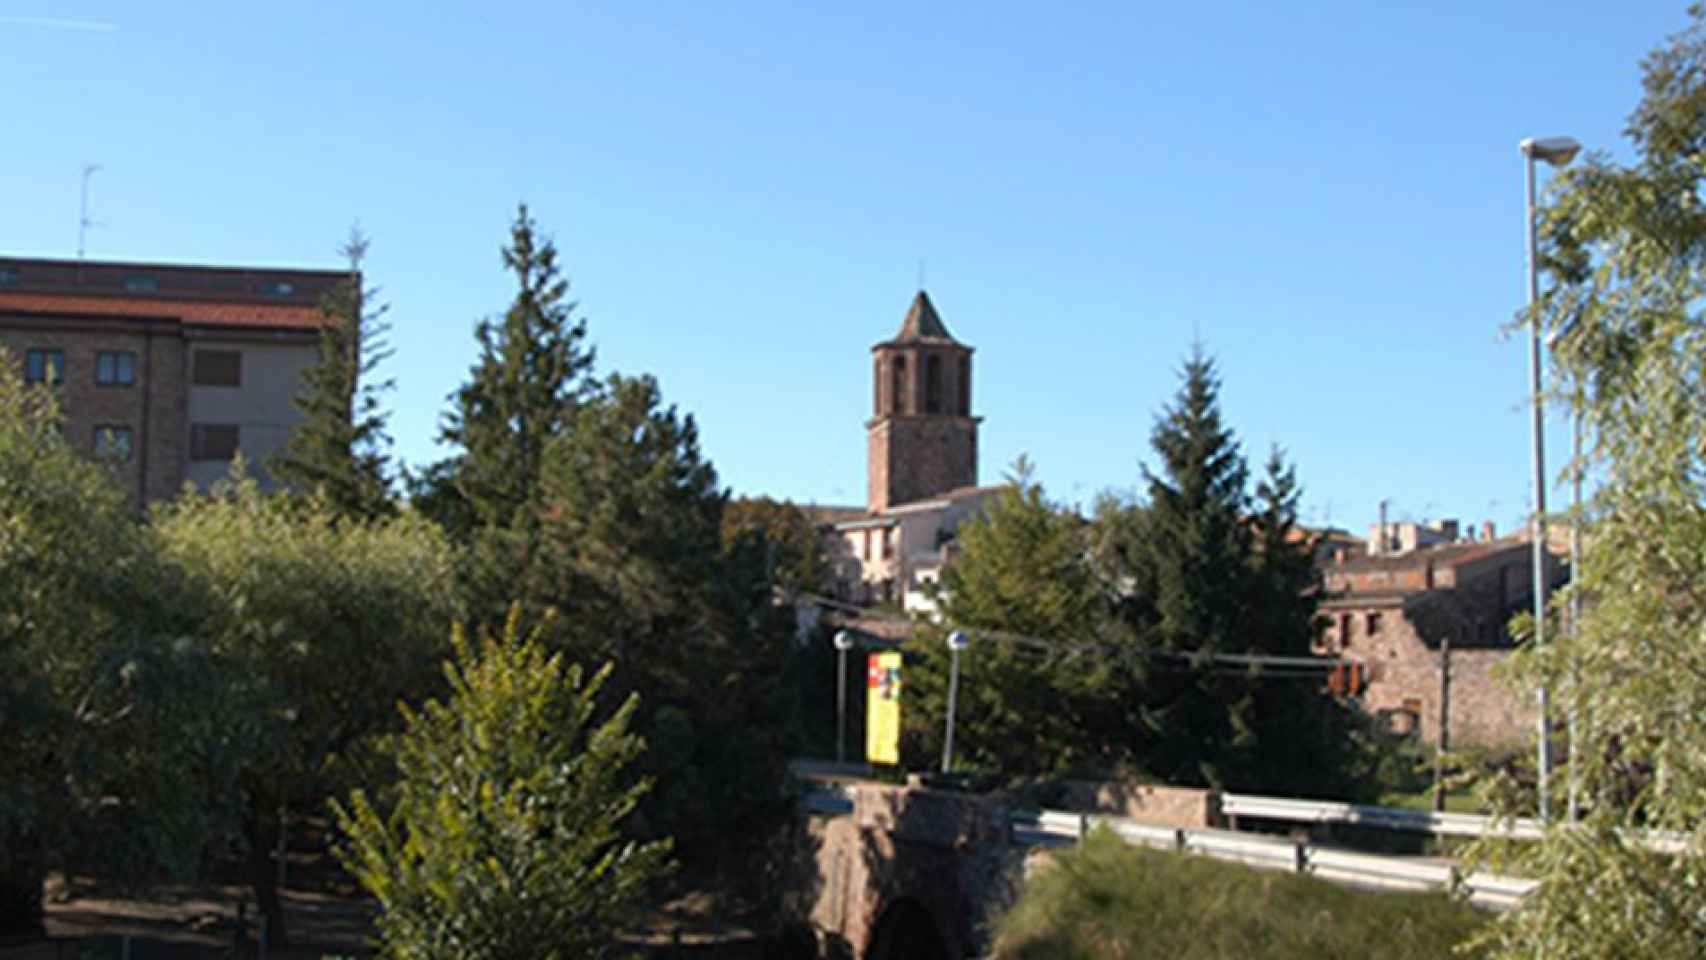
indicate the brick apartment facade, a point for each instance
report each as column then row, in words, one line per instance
column 166, row 371
column 1396, row 616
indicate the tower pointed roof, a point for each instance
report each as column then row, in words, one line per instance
column 922, row 322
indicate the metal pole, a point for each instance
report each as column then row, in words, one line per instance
column 1442, row 742
column 953, row 700
column 1543, row 759
column 843, row 643
column 841, row 707
column 1575, row 594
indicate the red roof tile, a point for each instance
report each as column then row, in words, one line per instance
column 191, row 313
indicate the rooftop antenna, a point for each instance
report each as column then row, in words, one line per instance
column 83, row 221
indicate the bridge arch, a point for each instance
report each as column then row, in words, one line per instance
column 907, row 930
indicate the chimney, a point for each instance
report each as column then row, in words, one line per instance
column 1448, row 529
column 1487, row 531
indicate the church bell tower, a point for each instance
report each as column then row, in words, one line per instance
column 922, row 438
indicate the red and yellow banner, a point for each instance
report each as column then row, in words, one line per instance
column 882, row 708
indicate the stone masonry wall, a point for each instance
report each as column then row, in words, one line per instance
column 1405, row 675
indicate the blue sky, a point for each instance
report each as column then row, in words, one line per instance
column 1328, row 195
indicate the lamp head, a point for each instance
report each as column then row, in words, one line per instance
column 958, row 641
column 1558, row 151
column 843, row 641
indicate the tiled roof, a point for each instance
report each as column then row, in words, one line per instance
column 191, row 313
column 922, row 322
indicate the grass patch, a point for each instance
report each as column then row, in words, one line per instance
column 1456, row 801
column 1106, row 899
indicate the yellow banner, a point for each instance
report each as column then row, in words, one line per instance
column 882, row 708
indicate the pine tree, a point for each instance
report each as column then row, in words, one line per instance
column 505, row 842
column 529, row 380
column 339, row 450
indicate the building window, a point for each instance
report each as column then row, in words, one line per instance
column 212, row 441
column 1344, row 630
column 44, row 366
column 965, row 386
column 141, row 283
column 8, row 277
column 1374, row 624
column 864, row 544
column 113, row 442
column 933, row 384
column 280, row 288
column 217, row 368
column 900, row 385
column 888, row 542
column 116, row 369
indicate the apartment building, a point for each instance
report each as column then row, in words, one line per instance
column 166, row 371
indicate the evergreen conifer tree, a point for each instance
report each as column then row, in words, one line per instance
column 339, row 450
column 531, row 376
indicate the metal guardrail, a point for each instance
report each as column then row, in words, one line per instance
column 1390, row 818
column 1056, row 828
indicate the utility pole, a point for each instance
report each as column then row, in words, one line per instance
column 1442, row 742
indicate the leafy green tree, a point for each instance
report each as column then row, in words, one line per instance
column 1626, row 246
column 633, row 558
column 793, row 546
column 339, row 448
column 333, row 618
column 1035, row 694
column 504, row 841
column 114, row 711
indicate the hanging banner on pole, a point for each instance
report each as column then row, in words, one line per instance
column 882, row 708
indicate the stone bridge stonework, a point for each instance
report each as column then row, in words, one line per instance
column 911, row 874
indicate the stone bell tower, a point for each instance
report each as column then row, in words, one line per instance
column 922, row 436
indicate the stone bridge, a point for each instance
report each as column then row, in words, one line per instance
column 915, row 873
column 907, row 872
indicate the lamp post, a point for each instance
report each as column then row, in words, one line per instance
column 1557, row 151
column 957, row 641
column 843, row 643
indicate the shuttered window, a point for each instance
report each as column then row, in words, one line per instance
column 217, row 368
column 213, row 441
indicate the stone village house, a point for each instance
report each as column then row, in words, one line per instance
column 1424, row 625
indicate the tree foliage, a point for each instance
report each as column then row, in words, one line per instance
column 504, row 842
column 1202, row 569
column 530, row 378
column 1626, row 246
column 333, row 619
column 339, row 448
column 794, row 548
column 1035, row 681
column 114, row 712
column 633, row 558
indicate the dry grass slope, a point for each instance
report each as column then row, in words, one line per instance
column 1110, row 901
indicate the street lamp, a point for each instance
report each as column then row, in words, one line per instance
column 843, row 643
column 1557, row 151
column 957, row 641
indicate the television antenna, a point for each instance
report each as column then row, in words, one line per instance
column 83, row 221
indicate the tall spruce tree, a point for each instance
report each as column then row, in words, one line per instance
column 339, row 450
column 531, row 376
column 1201, row 570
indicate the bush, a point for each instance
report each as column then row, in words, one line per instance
column 505, row 842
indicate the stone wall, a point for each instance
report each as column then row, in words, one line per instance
column 1190, row 807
